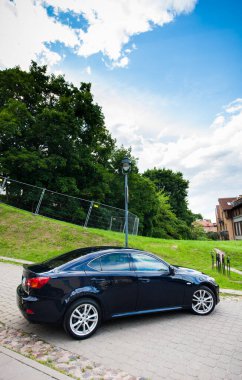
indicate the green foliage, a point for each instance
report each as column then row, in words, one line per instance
column 212, row 235
column 198, row 233
column 176, row 187
column 53, row 135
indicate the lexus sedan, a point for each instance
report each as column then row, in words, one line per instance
column 83, row 287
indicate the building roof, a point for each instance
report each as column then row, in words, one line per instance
column 226, row 203
column 237, row 202
column 205, row 223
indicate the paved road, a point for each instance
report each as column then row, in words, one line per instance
column 17, row 367
column 174, row 345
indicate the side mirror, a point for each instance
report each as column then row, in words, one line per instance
column 172, row 270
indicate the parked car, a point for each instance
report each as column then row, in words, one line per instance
column 83, row 287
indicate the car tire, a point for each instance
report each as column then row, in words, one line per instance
column 203, row 301
column 82, row 319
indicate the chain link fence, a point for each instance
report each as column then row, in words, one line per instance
column 65, row 207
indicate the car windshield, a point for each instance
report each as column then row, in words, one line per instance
column 72, row 255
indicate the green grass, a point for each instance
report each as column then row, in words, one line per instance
column 35, row 238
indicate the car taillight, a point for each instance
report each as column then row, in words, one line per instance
column 36, row 282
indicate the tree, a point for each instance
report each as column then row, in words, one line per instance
column 52, row 134
column 174, row 185
column 198, row 233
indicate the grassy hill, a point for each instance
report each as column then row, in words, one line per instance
column 36, row 238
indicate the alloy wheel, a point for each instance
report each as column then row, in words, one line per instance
column 202, row 301
column 84, row 319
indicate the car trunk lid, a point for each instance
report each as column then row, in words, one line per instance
column 34, row 277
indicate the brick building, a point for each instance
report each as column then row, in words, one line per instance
column 207, row 225
column 229, row 218
column 237, row 218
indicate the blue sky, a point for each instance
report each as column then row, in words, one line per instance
column 194, row 60
column 166, row 72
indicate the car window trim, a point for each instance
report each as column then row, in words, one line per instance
column 111, row 253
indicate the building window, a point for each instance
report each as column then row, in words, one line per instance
column 238, row 228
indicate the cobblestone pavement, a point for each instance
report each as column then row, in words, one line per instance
column 175, row 345
column 79, row 367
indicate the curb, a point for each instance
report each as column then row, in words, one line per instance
column 232, row 292
column 33, row 364
column 5, row 258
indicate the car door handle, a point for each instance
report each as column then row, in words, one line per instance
column 101, row 280
column 144, row 279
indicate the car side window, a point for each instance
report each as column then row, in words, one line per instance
column 95, row 264
column 115, row 262
column 76, row 267
column 143, row 263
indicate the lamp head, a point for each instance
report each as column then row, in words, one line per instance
column 126, row 165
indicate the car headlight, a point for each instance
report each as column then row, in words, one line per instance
column 211, row 279
column 207, row 278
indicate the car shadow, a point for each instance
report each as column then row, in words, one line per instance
column 55, row 333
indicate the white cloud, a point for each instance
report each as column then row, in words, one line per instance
column 234, row 106
column 211, row 160
column 211, row 157
column 123, row 62
column 112, row 23
column 27, row 31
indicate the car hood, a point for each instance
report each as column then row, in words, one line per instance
column 189, row 271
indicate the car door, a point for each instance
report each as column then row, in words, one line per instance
column 115, row 281
column 157, row 287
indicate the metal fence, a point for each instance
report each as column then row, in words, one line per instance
column 65, row 207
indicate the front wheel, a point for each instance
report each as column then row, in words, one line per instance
column 203, row 301
column 82, row 319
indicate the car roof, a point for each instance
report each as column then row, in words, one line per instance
column 77, row 254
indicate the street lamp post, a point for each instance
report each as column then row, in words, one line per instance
column 126, row 167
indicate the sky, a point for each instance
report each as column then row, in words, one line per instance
column 167, row 74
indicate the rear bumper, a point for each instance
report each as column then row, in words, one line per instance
column 36, row 309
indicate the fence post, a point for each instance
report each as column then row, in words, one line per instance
column 124, row 226
column 88, row 214
column 137, row 226
column 228, row 266
column 223, row 264
column 134, row 225
column 3, row 184
column 212, row 255
column 40, row 201
column 111, row 223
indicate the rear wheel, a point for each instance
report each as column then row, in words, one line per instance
column 203, row 301
column 82, row 319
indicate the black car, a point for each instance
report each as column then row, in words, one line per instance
column 86, row 286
